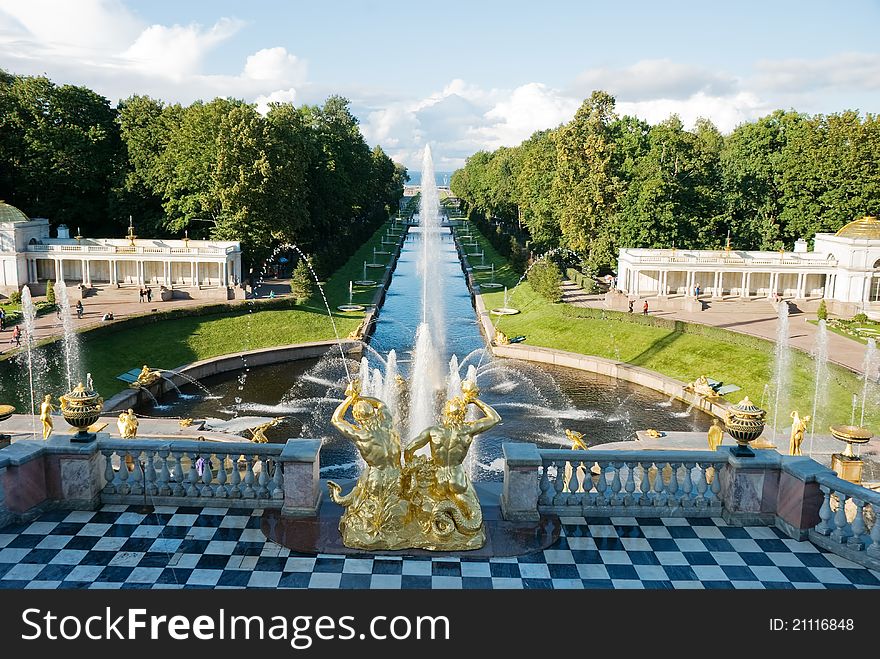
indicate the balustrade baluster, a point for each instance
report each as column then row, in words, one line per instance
column 630, row 485
column 136, row 483
column 207, row 488
column 109, row 472
column 177, row 486
column 874, row 547
column 856, row 541
column 163, row 487
column 248, row 489
column 277, row 479
column 220, row 491
column 687, row 486
column 601, row 486
column 616, row 485
column 702, row 486
column 122, row 486
column 235, row 482
column 645, row 485
column 192, row 476
column 715, row 487
column 544, row 497
column 659, row 487
column 842, row 532
column 672, row 487
column 150, row 473
column 560, row 497
column 824, row 526
column 262, row 489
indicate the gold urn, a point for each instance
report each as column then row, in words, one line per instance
column 81, row 408
column 847, row 464
column 745, row 423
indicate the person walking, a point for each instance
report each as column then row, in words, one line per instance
column 631, row 303
column 141, row 295
column 2, row 319
column 16, row 335
column 645, row 308
column 79, row 309
column 149, row 292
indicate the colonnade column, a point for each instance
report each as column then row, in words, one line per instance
column 635, row 282
column 828, row 291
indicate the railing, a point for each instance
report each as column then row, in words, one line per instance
column 802, row 261
column 239, row 474
column 848, row 520
column 128, row 249
column 646, row 483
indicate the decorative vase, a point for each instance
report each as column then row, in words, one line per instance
column 745, row 423
column 81, row 408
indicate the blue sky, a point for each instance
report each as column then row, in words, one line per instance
column 461, row 75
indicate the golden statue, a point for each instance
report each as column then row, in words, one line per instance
column 46, row 409
column 374, row 513
column 701, row 387
column 715, row 435
column 442, row 497
column 146, row 377
column 653, row 433
column 798, row 428
column 127, row 424
column 501, row 338
column 185, row 423
column 257, row 433
column 576, row 439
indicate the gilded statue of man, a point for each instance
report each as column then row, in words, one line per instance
column 127, row 423
column 373, row 518
column 798, row 428
column 456, row 519
column 46, row 409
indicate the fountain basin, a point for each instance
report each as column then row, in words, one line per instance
column 381, row 253
column 351, row 307
column 481, row 267
column 376, row 265
column 504, row 311
column 365, row 282
column 851, row 435
column 491, row 284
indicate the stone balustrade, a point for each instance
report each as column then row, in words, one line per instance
column 240, row 474
column 848, row 520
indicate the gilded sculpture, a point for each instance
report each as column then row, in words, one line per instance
column 798, row 428
column 46, row 409
column 715, row 435
column 146, row 377
column 127, row 423
column 425, row 502
column 258, row 435
column 577, row 439
column 702, row 387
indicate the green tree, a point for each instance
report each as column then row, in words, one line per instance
column 545, row 278
column 50, row 292
column 822, row 311
column 302, row 286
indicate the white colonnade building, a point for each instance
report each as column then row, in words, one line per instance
column 843, row 268
column 29, row 256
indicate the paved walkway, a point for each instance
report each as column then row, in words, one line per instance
column 173, row 547
column 755, row 317
column 122, row 303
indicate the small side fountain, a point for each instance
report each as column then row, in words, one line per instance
column 491, row 284
column 506, row 309
column 351, row 306
column 364, row 281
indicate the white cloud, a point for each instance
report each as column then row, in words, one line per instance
column 726, row 112
column 529, row 108
column 847, row 71
column 655, row 78
column 275, row 64
column 278, row 96
column 178, row 50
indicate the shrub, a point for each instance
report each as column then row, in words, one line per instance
column 302, row 286
column 15, row 297
column 860, row 318
column 546, row 280
column 518, row 256
column 822, row 311
column 50, row 292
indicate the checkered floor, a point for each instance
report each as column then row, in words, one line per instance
column 117, row 547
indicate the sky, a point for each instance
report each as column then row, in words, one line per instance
column 461, row 76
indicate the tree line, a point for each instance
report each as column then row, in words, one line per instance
column 603, row 182
column 216, row 169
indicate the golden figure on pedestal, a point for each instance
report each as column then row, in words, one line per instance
column 146, row 377
column 798, row 428
column 424, row 502
column 46, row 409
column 715, row 435
column 127, row 424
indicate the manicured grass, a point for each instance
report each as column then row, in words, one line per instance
column 873, row 330
column 109, row 352
column 675, row 354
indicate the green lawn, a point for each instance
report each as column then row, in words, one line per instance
column 679, row 355
column 110, row 351
column 860, row 332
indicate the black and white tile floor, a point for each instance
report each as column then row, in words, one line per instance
column 176, row 547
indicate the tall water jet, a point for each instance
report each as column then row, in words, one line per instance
column 870, row 366
column 29, row 315
column 422, row 384
column 390, row 392
column 820, row 356
column 453, row 380
column 430, row 265
column 71, row 343
column 781, row 364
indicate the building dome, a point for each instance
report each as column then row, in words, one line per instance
column 11, row 213
column 866, row 228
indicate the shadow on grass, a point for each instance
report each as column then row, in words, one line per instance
column 658, row 346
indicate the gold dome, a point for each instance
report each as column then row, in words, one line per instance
column 866, row 228
column 11, row 213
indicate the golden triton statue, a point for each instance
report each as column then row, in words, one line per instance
column 46, row 409
column 577, row 439
column 501, row 338
column 374, row 512
column 258, row 433
column 127, row 424
column 146, row 377
column 442, row 498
